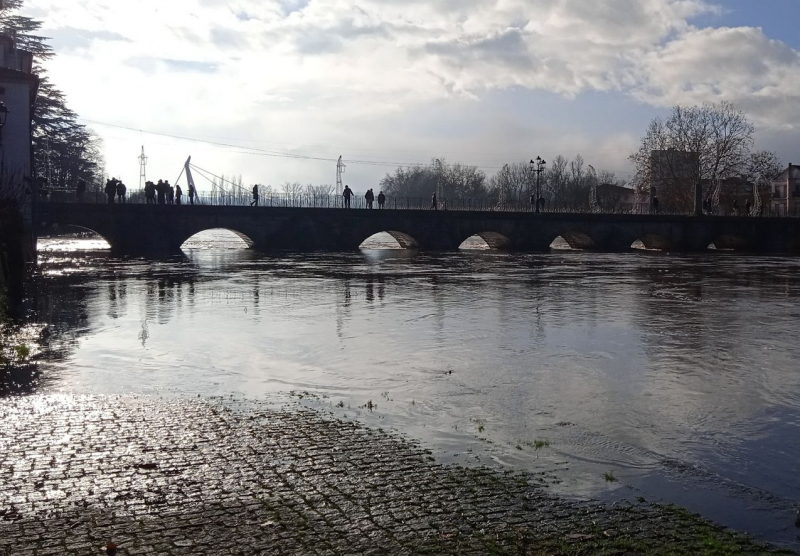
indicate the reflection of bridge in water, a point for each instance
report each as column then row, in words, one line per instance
column 143, row 229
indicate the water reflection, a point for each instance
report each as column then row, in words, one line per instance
column 649, row 364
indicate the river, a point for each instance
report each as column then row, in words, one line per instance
column 678, row 374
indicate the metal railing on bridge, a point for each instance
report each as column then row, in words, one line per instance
column 241, row 199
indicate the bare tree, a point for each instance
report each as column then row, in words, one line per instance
column 694, row 143
column 515, row 178
column 457, row 181
column 292, row 189
column 320, row 191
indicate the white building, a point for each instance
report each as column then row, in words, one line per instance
column 786, row 192
column 18, row 88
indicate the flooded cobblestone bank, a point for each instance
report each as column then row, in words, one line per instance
column 158, row 476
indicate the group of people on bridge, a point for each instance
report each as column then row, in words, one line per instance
column 162, row 193
column 369, row 197
column 114, row 189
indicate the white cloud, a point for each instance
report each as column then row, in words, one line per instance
column 741, row 65
column 318, row 73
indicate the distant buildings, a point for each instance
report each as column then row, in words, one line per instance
column 673, row 175
column 18, row 88
column 615, row 198
column 786, row 192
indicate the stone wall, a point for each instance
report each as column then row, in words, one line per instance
column 16, row 249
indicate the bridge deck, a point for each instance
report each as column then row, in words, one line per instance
column 137, row 228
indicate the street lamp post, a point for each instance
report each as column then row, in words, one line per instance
column 538, row 166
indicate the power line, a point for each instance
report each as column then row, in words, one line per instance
column 254, row 151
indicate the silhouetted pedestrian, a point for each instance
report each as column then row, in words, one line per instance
column 178, row 194
column 533, row 202
column 121, row 191
column 170, row 195
column 541, row 204
column 150, row 193
column 192, row 194
column 381, row 200
column 735, row 207
column 347, row 193
column 161, row 191
column 255, row 196
column 655, row 204
column 370, row 197
column 434, row 204
column 111, row 190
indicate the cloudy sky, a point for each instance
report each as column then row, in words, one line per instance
column 279, row 89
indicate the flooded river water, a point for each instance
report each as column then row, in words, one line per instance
column 679, row 375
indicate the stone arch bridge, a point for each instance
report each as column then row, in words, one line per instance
column 162, row 229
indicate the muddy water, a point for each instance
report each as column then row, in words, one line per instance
column 678, row 374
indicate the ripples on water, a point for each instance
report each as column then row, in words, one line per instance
column 679, row 373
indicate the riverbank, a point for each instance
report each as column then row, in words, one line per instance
column 158, row 476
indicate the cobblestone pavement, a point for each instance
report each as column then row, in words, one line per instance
column 159, row 476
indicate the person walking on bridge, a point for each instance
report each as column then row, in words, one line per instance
column 434, row 204
column 192, row 194
column 178, row 194
column 121, row 191
column 255, row 196
column 111, row 190
column 381, row 200
column 370, row 197
column 170, row 194
column 347, row 193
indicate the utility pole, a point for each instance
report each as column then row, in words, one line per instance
column 142, row 169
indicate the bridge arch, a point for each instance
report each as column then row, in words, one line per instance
column 486, row 240
column 574, row 239
column 101, row 236
column 225, row 238
column 730, row 242
column 389, row 239
column 652, row 242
